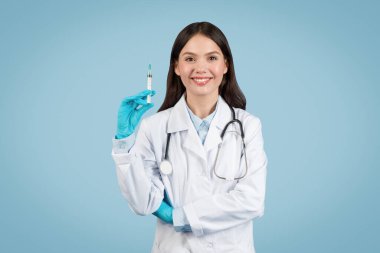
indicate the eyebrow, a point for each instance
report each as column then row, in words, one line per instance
column 213, row 52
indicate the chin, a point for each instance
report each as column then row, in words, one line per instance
column 203, row 94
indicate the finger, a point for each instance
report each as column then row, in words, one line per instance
column 128, row 101
column 144, row 108
column 152, row 92
column 127, row 106
column 141, row 101
column 143, row 94
column 134, row 99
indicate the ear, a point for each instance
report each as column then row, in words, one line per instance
column 176, row 69
column 226, row 67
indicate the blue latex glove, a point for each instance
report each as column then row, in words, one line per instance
column 165, row 211
column 130, row 113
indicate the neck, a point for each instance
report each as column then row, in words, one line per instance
column 202, row 106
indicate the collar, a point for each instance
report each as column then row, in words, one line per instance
column 198, row 121
column 180, row 120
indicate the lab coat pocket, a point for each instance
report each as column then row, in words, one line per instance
column 228, row 159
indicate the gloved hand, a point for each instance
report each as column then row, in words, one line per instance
column 165, row 211
column 129, row 115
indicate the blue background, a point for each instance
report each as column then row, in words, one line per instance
column 309, row 70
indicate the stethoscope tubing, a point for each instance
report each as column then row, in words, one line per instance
column 167, row 162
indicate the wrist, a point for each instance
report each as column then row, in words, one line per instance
column 122, row 135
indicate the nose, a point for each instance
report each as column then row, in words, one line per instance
column 201, row 66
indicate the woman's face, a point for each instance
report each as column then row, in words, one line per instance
column 201, row 66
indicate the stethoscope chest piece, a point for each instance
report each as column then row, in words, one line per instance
column 166, row 167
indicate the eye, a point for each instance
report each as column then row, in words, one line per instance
column 213, row 58
column 189, row 59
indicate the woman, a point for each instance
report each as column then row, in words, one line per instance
column 213, row 184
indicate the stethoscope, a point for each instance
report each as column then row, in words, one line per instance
column 166, row 167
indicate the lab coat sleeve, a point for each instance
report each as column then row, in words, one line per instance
column 245, row 202
column 123, row 145
column 180, row 222
column 138, row 175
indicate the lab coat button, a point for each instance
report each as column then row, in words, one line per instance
column 210, row 245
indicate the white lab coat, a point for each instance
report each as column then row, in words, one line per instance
column 220, row 212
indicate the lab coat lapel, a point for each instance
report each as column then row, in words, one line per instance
column 221, row 118
column 213, row 138
column 193, row 143
column 179, row 120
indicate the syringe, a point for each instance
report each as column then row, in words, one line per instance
column 149, row 83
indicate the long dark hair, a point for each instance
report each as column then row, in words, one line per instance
column 229, row 89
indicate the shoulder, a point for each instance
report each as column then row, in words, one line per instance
column 250, row 122
column 156, row 122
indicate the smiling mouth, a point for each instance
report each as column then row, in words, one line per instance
column 201, row 81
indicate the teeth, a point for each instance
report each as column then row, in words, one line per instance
column 201, row 80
